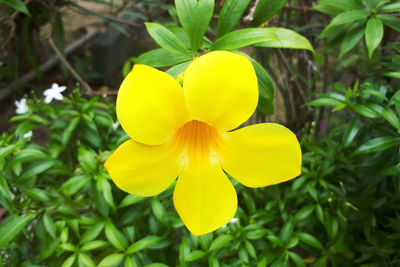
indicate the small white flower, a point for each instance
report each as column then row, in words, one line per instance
column 115, row 125
column 231, row 221
column 21, row 105
column 28, row 135
column 54, row 93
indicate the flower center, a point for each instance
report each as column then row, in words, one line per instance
column 196, row 139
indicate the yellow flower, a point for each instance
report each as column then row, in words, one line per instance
column 186, row 133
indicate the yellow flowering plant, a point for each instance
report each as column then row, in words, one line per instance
column 186, row 132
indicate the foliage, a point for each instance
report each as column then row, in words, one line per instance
column 343, row 210
column 181, row 44
column 354, row 19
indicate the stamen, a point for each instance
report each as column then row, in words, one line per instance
column 196, row 139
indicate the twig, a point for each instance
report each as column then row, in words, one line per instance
column 4, row 92
column 11, row 22
column 69, row 67
column 104, row 16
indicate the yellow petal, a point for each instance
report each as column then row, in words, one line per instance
column 204, row 197
column 143, row 170
column 261, row 154
column 220, row 88
column 150, row 105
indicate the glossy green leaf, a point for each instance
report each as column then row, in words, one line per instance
column 230, row 13
column 221, row 242
column 286, row 39
column 341, row 4
column 373, row 34
column 266, row 9
column 111, row 260
column 195, row 255
column 391, row 117
column 147, row 242
column 85, row 260
column 348, row 17
column 350, row 40
column 184, row 11
column 69, row 261
column 49, row 225
column 391, row 7
column 11, row 226
column 351, row 132
column 390, row 21
column 178, row 69
column 91, row 245
column 92, row 232
column 325, row 101
column 114, row 236
column 18, row 5
column 377, row 144
column 166, row 39
column 310, row 240
column 161, row 58
column 200, row 18
column 76, row 183
column 243, row 37
column 298, row 261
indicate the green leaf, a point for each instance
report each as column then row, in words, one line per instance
column 311, row 241
column 243, row 37
column 377, row 144
column 350, row 40
column 156, row 265
column 5, row 151
column 194, row 255
column 390, row 21
column 341, row 4
column 76, row 183
column 231, row 12
column 184, row 11
column 91, row 245
column 114, row 236
column 392, row 74
column 298, row 261
column 37, row 168
column 351, row 132
column 266, row 9
column 85, row 260
column 158, row 210
column 49, row 225
column 87, row 159
column 17, row 5
column 325, row 101
column 213, row 262
column 373, row 34
column 287, row 39
column 111, row 260
column 105, row 188
column 37, row 194
column 389, row 115
column 392, row 7
column 70, row 130
column 147, row 242
column 345, row 18
column 130, row 200
column 92, row 232
column 12, row 226
column 304, row 213
column 67, row 247
column 69, row 261
column 178, row 69
column 220, row 242
column 200, row 18
column 369, row 110
column 166, row 39
column 4, row 189
column 161, row 58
